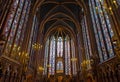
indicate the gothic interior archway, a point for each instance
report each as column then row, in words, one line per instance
column 60, row 58
column 59, row 40
column 60, row 21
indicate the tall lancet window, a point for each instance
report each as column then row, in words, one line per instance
column 86, row 39
column 67, row 56
column 52, row 56
column 59, row 47
column 59, row 65
column 60, row 55
column 8, row 25
column 15, row 26
column 73, row 59
column 102, row 29
column 46, row 57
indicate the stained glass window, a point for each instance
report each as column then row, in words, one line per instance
column 46, row 65
column 21, row 23
column 67, row 56
column 58, row 53
column 33, row 35
column 25, row 22
column 59, row 67
column 52, row 56
column 15, row 23
column 4, row 8
column 32, row 41
column 106, row 27
column 60, row 47
column 11, row 23
column 118, row 1
column 98, row 33
column 102, row 29
column 74, row 63
column 14, row 27
column 10, row 17
column 86, row 39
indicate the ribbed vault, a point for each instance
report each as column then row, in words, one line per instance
column 67, row 13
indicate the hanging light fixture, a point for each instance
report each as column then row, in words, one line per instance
column 37, row 46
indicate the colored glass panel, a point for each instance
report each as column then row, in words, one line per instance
column 60, row 66
column 118, row 1
column 24, row 25
column 102, row 29
column 10, row 16
column 86, row 39
column 22, row 20
column 74, row 64
column 60, row 47
column 46, row 57
column 52, row 56
column 96, row 33
column 67, row 56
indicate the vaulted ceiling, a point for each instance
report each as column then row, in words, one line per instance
column 52, row 13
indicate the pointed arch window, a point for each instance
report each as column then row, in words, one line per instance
column 15, row 25
column 59, row 52
column 60, row 47
column 102, row 29
column 46, row 57
column 73, row 56
column 52, row 56
column 22, row 20
column 10, row 16
column 67, row 56
column 9, row 20
column 86, row 38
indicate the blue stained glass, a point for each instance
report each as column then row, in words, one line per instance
column 100, row 36
column 60, row 47
column 8, row 25
column 86, row 39
column 56, row 54
column 60, row 65
column 106, row 28
column 74, row 64
column 67, row 56
column 10, row 17
column 52, row 56
column 118, row 1
column 22, row 20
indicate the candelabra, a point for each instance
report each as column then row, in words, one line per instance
column 37, row 46
column 15, row 51
column 40, row 69
column 38, row 64
column 23, row 59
